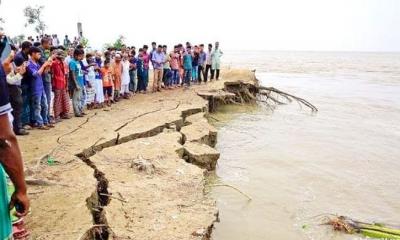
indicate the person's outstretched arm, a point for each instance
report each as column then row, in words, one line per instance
column 10, row 158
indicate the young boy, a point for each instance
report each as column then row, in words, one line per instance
column 187, row 65
column 108, row 80
column 174, row 63
column 167, row 69
column 195, row 64
column 117, row 76
column 59, row 84
column 77, row 82
column 141, row 72
column 146, row 66
column 38, row 95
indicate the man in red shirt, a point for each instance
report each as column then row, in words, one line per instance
column 59, row 84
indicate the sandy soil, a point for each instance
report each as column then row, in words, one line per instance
column 139, row 147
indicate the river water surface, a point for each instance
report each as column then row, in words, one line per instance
column 295, row 165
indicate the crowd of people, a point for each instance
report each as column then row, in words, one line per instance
column 44, row 78
column 40, row 78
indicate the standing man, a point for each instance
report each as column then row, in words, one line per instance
column 202, row 63
column 10, row 163
column 216, row 61
column 153, row 50
column 208, row 63
column 146, row 66
column 39, row 101
column 19, row 96
column 14, row 87
column 56, row 42
column 125, row 76
column 167, row 69
column 45, row 48
column 21, row 58
column 174, row 64
column 67, row 42
column 133, row 84
column 158, row 60
column 76, row 82
column 187, row 65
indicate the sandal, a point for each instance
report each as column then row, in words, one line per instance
column 43, row 127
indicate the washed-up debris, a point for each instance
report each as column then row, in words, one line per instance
column 372, row 230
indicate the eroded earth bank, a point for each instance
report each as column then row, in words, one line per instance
column 132, row 171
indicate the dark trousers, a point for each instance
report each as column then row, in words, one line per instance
column 201, row 73
column 213, row 71
column 208, row 68
column 141, row 81
column 27, row 114
column 17, row 105
column 188, row 75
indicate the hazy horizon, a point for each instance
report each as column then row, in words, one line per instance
column 286, row 25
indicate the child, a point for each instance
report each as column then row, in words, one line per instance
column 77, row 82
column 140, row 72
column 195, row 64
column 99, row 81
column 117, row 76
column 59, row 84
column 187, row 65
column 108, row 80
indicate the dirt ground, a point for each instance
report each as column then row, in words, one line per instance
column 139, row 146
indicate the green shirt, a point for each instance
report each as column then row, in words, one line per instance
column 167, row 64
column 5, row 223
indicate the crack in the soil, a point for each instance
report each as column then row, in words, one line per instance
column 100, row 198
column 144, row 114
column 76, row 129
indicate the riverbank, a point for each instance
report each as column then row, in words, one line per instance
column 121, row 172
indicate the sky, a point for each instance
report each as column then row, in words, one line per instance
column 282, row 25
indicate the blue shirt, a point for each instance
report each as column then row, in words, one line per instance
column 75, row 67
column 139, row 66
column 35, row 79
column 202, row 58
column 133, row 61
column 158, row 59
column 187, row 62
column 98, row 73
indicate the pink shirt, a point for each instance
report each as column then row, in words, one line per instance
column 174, row 60
column 146, row 60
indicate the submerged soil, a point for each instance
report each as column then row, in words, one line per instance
column 121, row 171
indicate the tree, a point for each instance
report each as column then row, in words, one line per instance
column 118, row 44
column 34, row 17
column 84, row 42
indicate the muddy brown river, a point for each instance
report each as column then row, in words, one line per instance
column 297, row 166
